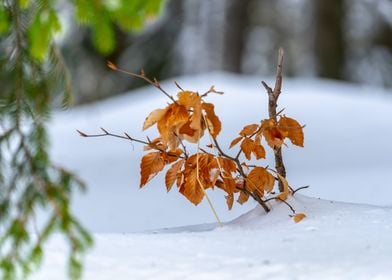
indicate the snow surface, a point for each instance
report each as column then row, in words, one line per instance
column 346, row 158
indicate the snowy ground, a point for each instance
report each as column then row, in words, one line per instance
column 346, row 158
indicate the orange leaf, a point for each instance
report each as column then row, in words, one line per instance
column 229, row 185
column 229, row 201
column 191, row 100
column 235, row 141
column 259, row 151
column 272, row 134
column 191, row 188
column 172, row 174
column 294, row 130
column 249, row 129
column 299, row 217
column 172, row 155
column 213, row 122
column 286, row 190
column 260, row 180
column 169, row 125
column 247, row 147
column 242, row 198
column 154, row 117
column 151, row 164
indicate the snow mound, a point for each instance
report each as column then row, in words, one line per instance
column 335, row 241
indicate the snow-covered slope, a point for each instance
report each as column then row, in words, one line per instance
column 336, row 241
column 346, row 156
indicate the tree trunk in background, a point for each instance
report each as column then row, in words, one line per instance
column 234, row 30
column 329, row 38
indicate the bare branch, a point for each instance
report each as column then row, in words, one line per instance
column 142, row 76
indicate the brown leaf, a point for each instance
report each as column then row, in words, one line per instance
column 229, row 185
column 150, row 165
column 172, row 174
column 299, row 217
column 286, row 190
column 272, row 134
column 154, row 117
column 294, row 130
column 249, row 129
column 259, row 151
column 260, row 180
column 172, row 155
column 191, row 100
column 229, row 201
column 191, row 187
column 169, row 125
column 247, row 147
column 213, row 122
column 242, row 198
column 235, row 141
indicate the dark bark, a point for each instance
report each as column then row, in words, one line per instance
column 329, row 38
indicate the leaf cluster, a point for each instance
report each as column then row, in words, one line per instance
column 187, row 119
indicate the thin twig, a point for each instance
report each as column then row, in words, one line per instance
column 300, row 188
column 273, row 96
column 154, row 82
column 127, row 137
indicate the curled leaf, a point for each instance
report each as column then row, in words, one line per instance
column 299, row 217
column 293, row 129
column 249, row 129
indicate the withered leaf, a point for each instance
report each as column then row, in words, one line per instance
column 229, row 201
column 172, row 174
column 247, row 146
column 242, row 198
column 259, row 151
column 249, row 129
column 235, row 141
column 260, row 180
column 150, row 165
column 299, row 217
column 294, row 130
column 286, row 190
column 154, row 117
column 191, row 187
column 213, row 122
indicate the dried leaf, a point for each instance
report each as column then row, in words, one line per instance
column 191, row 188
column 259, row 151
column 169, row 125
column 247, row 147
column 294, row 130
column 150, row 165
column 272, row 134
column 229, row 201
column 213, row 122
column 260, row 180
column 154, row 117
column 249, row 129
column 299, row 217
column 235, row 141
column 242, row 198
column 191, row 100
column 172, row 174
column 286, row 190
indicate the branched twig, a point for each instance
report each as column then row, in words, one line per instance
column 281, row 200
column 255, row 197
column 142, row 76
column 273, row 96
column 127, row 137
column 300, row 188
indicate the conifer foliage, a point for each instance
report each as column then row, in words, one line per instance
column 32, row 74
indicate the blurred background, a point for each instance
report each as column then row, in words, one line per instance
column 348, row 40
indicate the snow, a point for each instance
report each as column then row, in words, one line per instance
column 346, row 158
